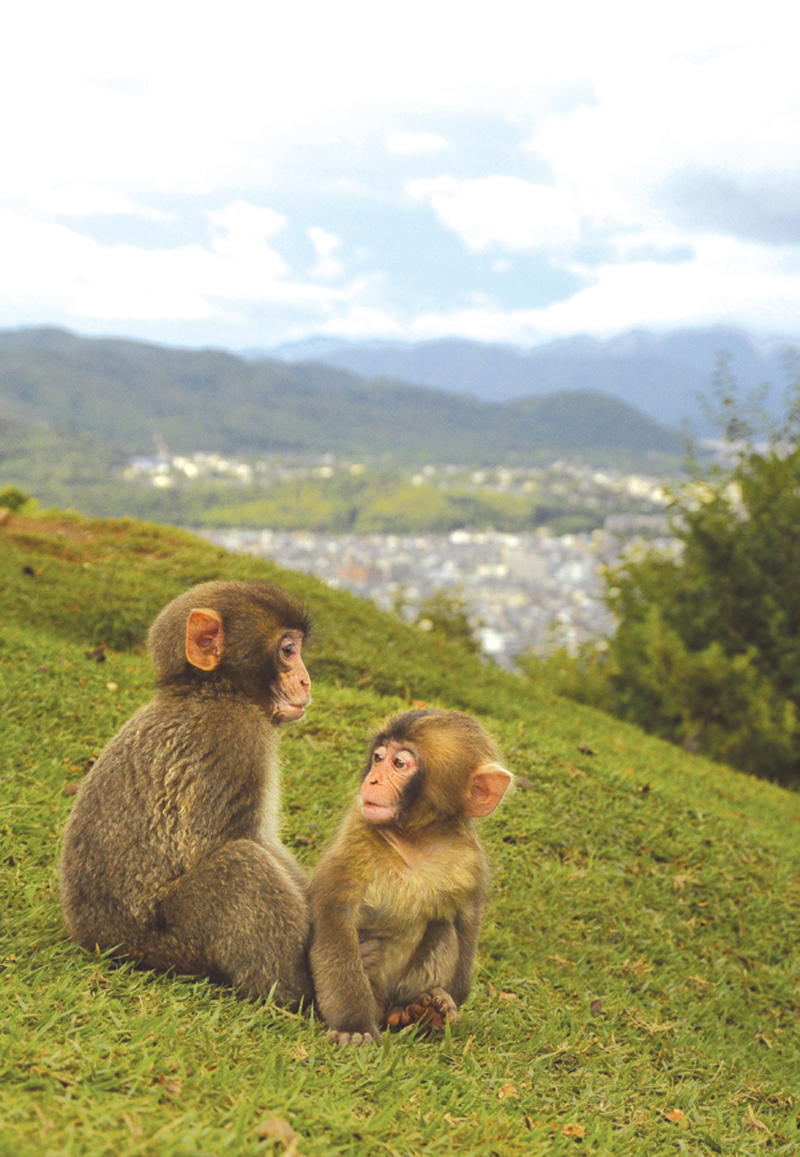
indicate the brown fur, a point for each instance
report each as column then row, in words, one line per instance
column 171, row 854
column 397, row 907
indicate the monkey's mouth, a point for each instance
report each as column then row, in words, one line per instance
column 376, row 813
column 285, row 712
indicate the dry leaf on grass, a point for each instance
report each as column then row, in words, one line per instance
column 276, row 1129
column 751, row 1121
column 573, row 1130
column 676, row 1117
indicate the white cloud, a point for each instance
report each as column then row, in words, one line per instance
column 359, row 322
column 725, row 282
column 504, row 211
column 244, row 224
column 240, row 235
column 80, row 199
column 574, row 132
column 415, row 144
column 325, row 244
column 734, row 112
column 86, row 279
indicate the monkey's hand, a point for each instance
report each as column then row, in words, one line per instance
column 430, row 1010
column 354, row 1038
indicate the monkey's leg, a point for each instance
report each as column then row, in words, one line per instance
column 240, row 914
column 431, row 1010
column 421, row 995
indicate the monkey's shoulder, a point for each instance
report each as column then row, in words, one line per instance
column 167, row 732
column 113, row 774
column 158, row 781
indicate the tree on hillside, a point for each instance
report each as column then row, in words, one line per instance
column 12, row 498
column 707, row 651
column 446, row 615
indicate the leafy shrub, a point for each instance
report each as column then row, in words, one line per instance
column 446, row 616
column 12, row 498
column 707, row 651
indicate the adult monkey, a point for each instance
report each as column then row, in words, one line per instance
column 171, row 853
column 397, row 899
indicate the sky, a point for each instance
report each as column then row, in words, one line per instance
column 245, row 175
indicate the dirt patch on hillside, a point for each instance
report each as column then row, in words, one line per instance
column 80, row 539
column 16, row 526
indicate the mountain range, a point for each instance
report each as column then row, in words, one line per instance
column 136, row 396
column 662, row 375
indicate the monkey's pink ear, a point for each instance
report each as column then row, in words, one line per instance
column 205, row 639
column 487, row 786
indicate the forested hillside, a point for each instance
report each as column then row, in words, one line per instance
column 133, row 396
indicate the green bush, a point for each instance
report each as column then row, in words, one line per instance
column 446, row 616
column 707, row 651
column 12, row 498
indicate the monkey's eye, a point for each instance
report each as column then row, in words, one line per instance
column 288, row 648
column 403, row 760
column 378, row 754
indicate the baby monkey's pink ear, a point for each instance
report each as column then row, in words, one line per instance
column 205, row 639
column 486, row 787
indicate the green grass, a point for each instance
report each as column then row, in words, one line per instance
column 638, row 985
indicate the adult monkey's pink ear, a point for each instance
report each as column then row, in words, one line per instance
column 486, row 787
column 205, row 639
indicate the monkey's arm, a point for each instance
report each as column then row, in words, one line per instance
column 342, row 990
column 468, row 927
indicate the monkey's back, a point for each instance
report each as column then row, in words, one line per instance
column 135, row 826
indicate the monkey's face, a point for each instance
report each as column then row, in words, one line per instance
column 292, row 690
column 393, row 777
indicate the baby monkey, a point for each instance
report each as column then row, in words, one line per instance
column 398, row 897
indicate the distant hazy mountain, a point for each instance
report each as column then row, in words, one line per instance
column 134, row 396
column 661, row 374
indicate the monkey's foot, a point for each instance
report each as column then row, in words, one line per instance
column 430, row 1010
column 354, row 1038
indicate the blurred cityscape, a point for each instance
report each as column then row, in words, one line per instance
column 534, row 590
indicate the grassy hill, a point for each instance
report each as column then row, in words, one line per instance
column 638, row 984
column 126, row 394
